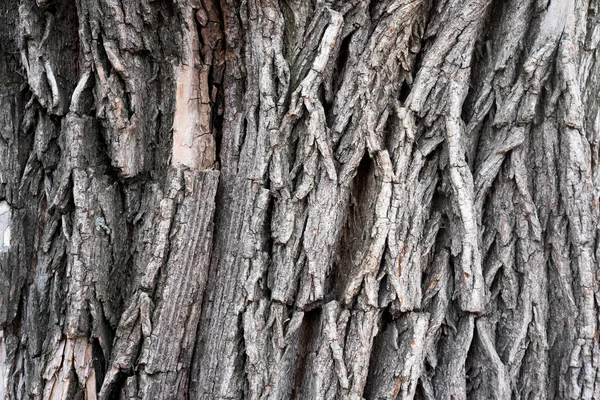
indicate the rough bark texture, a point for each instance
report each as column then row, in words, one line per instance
column 296, row 199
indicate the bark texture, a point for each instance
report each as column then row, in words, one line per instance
column 299, row 199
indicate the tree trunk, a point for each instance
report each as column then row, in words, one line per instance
column 299, row 199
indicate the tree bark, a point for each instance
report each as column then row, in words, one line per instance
column 324, row 199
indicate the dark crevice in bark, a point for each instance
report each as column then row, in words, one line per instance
column 355, row 228
column 404, row 92
column 307, row 336
column 100, row 364
column 341, row 62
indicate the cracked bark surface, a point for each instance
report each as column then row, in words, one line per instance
column 231, row 199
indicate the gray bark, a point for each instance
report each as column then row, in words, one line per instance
column 296, row 199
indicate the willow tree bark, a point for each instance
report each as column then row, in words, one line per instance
column 327, row 199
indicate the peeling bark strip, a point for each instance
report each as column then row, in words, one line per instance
column 5, row 217
column 290, row 199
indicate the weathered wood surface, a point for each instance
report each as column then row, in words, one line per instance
column 328, row 199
